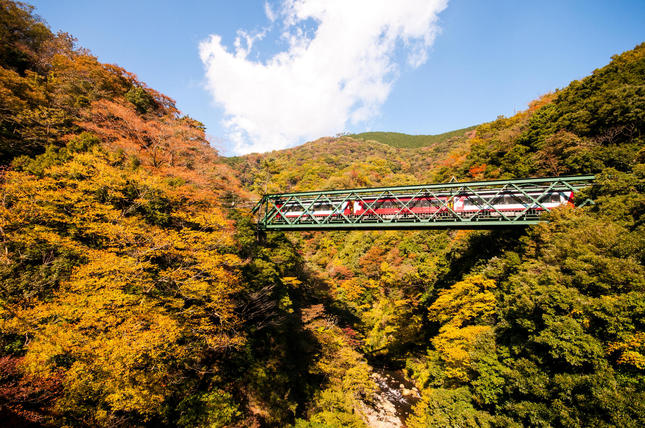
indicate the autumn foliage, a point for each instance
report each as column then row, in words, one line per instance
column 135, row 292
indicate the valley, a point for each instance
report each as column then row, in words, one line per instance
column 135, row 291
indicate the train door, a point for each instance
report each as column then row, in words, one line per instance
column 358, row 208
column 458, row 203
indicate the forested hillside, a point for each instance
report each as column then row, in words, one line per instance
column 397, row 139
column 340, row 163
column 135, row 292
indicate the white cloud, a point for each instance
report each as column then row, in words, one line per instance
column 339, row 70
column 269, row 11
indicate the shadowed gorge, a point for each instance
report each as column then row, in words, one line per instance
column 134, row 290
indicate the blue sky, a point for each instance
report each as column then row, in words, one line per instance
column 482, row 59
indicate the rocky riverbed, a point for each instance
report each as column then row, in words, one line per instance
column 392, row 402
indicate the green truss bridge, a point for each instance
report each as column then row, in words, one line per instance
column 464, row 205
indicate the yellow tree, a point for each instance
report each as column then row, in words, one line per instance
column 466, row 314
column 145, row 296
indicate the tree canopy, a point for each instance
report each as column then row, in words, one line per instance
column 134, row 290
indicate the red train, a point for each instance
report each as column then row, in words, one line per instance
column 464, row 205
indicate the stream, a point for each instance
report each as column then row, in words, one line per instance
column 393, row 401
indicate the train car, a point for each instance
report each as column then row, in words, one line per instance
column 319, row 209
column 512, row 203
column 388, row 208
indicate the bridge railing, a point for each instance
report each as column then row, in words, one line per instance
column 360, row 208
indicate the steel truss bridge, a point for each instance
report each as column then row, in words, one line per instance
column 301, row 211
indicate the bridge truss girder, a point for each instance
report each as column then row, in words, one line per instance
column 271, row 214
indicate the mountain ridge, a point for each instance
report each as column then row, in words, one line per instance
column 402, row 140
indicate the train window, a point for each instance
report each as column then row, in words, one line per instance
column 553, row 198
column 470, row 202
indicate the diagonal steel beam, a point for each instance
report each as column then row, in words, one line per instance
column 370, row 206
column 279, row 210
column 406, row 205
column 305, row 210
column 490, row 201
column 544, row 192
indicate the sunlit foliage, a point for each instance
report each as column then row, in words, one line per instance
column 134, row 292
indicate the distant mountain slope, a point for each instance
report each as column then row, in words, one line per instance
column 398, row 139
column 344, row 162
column 366, row 159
